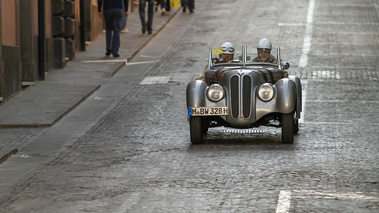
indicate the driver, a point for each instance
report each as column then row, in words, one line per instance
column 264, row 47
column 227, row 51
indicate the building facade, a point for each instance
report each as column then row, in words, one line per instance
column 38, row 36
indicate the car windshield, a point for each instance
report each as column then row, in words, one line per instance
column 240, row 59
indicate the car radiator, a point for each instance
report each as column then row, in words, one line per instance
column 240, row 96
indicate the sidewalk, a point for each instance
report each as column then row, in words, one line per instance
column 45, row 103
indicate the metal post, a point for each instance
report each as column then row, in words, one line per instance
column 279, row 59
column 210, row 63
column 244, row 55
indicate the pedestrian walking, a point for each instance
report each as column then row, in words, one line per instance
column 112, row 12
column 150, row 13
column 124, row 21
column 156, row 4
column 166, row 7
column 188, row 3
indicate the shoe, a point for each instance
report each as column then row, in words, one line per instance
column 150, row 32
column 108, row 52
column 163, row 11
column 191, row 11
column 184, row 9
column 168, row 13
column 144, row 27
column 124, row 30
column 116, row 55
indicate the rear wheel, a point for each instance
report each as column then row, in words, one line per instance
column 196, row 130
column 288, row 128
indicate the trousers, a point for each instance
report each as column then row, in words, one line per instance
column 188, row 3
column 150, row 13
column 113, row 19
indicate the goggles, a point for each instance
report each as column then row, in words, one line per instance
column 227, row 49
column 264, row 50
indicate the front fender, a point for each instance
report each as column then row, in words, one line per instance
column 283, row 102
column 286, row 95
column 299, row 107
column 196, row 94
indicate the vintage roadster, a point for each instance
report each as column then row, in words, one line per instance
column 242, row 94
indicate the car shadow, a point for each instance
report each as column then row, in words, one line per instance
column 267, row 139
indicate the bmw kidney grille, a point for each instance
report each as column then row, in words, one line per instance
column 240, row 96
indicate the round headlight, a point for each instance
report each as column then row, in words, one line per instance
column 266, row 92
column 215, row 92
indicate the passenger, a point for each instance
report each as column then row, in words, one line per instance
column 227, row 51
column 264, row 47
column 226, row 56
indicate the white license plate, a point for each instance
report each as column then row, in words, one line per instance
column 206, row 111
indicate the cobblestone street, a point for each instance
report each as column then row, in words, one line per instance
column 136, row 156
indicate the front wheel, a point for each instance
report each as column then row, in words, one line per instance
column 288, row 128
column 196, row 130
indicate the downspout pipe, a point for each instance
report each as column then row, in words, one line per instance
column 41, row 39
column 82, row 27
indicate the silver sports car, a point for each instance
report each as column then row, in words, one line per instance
column 242, row 94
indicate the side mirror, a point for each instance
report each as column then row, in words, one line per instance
column 286, row 65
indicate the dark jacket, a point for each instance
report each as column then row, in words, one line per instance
column 112, row 4
column 270, row 59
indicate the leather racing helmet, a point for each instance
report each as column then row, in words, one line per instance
column 227, row 51
column 227, row 48
column 264, row 45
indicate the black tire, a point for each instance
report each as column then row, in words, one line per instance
column 196, row 130
column 296, row 130
column 288, row 128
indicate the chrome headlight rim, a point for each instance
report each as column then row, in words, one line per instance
column 266, row 92
column 213, row 92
